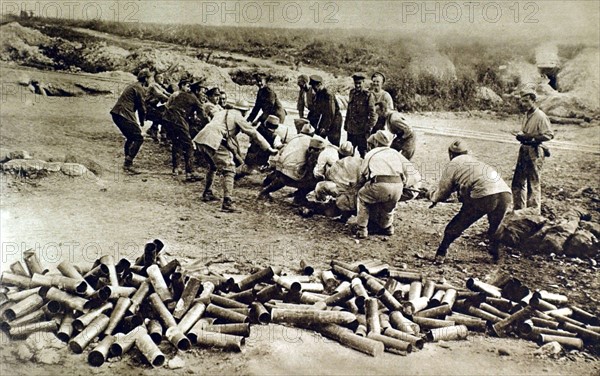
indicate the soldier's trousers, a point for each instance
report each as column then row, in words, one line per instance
column 359, row 141
column 377, row 202
column 526, row 183
column 220, row 160
column 494, row 206
column 182, row 144
column 132, row 133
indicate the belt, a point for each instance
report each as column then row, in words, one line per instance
column 386, row 179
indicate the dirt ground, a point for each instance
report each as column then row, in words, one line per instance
column 82, row 218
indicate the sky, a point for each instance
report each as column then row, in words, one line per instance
column 557, row 19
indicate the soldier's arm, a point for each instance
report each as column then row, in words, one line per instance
column 248, row 129
column 445, row 186
column 545, row 133
column 372, row 119
column 140, row 105
column 257, row 106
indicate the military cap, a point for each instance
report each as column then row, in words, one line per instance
column 458, row 147
column 213, row 92
column 272, row 122
column 316, row 79
column 346, row 149
column 143, row 74
column 378, row 74
column 359, row 76
column 381, row 138
column 307, row 129
column 530, row 92
column 317, row 142
column 242, row 105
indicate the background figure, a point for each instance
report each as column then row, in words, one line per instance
column 223, row 101
column 266, row 101
column 305, row 96
column 526, row 183
column 360, row 116
column 481, row 191
column 394, row 122
column 377, row 81
column 157, row 97
column 325, row 117
column 132, row 100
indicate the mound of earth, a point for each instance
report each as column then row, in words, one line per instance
column 580, row 77
column 21, row 44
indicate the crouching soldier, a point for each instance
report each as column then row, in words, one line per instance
column 481, row 191
column 218, row 144
column 381, row 182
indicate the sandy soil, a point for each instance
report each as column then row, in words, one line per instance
column 81, row 219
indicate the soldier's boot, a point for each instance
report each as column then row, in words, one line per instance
column 128, row 166
column 228, row 206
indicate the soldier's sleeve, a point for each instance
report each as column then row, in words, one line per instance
column 543, row 126
column 248, row 129
column 372, row 119
column 349, row 111
column 328, row 113
column 140, row 98
column 257, row 106
column 300, row 105
column 446, row 184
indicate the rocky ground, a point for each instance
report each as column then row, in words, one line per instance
column 81, row 218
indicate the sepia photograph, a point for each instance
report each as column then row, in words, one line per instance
column 366, row 187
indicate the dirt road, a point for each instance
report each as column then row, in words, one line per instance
column 83, row 218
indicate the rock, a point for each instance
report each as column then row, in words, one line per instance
column 75, row 169
column 488, row 95
column 549, row 349
column 19, row 154
column 592, row 227
column 47, row 356
column 54, row 166
column 24, row 167
column 24, row 353
column 556, row 237
column 176, row 363
column 581, row 244
column 503, row 352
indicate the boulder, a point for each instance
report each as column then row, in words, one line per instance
column 581, row 244
column 75, row 169
column 24, row 167
column 487, row 95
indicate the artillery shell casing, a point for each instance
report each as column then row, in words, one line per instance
column 237, row 329
column 246, row 296
column 226, row 314
column 159, row 284
column 474, row 284
column 20, row 295
column 472, row 323
column 352, row 306
column 65, row 330
column 502, row 304
column 227, row 342
column 586, row 334
column 389, row 301
column 450, row 333
column 436, row 299
column 185, row 301
column 261, row 276
column 259, row 313
column 168, row 270
column 405, row 276
column 343, row 272
column 80, row 342
column 117, row 314
column 500, row 328
column 428, row 289
column 25, row 306
column 207, row 289
column 98, row 355
column 483, row 315
column 584, row 316
column 339, row 297
column 425, row 322
column 61, row 282
column 403, row 324
column 11, row 279
column 449, row 297
column 312, row 287
column 345, row 265
column 375, row 287
column 309, row 298
column 413, row 306
column 384, row 321
column 122, row 266
column 121, row 291
column 544, row 323
column 74, row 302
column 134, row 279
column 348, row 338
column 361, row 330
column 538, row 303
column 87, row 318
column 150, row 351
column 109, row 262
column 563, row 318
column 161, row 310
column 24, row 330
column 390, row 285
column 33, row 263
column 302, row 317
column 139, row 296
column 124, row 342
column 435, row 312
column 397, row 334
column 191, row 317
column 493, row 310
column 528, row 329
column 224, row 302
column 268, row 293
column 177, row 284
column 178, row 339
column 155, row 330
column 570, row 342
column 29, row 318
column 372, row 313
column 69, row 270
column 18, row 269
column 415, row 290
column 550, row 297
column 130, row 322
column 360, row 292
column 391, row 343
column 328, row 279
column 306, row 268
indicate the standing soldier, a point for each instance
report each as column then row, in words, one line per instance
column 325, row 117
column 526, row 183
column 381, row 182
column 305, row 96
column 267, row 101
column 218, row 143
column 132, row 100
column 178, row 118
column 481, row 191
column 404, row 142
column 377, row 81
column 360, row 116
column 155, row 100
column 212, row 105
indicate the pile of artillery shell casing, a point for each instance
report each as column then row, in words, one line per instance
column 367, row 306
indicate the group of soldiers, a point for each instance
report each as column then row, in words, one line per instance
column 365, row 176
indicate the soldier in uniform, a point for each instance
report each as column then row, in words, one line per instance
column 404, row 142
column 360, row 116
column 325, row 117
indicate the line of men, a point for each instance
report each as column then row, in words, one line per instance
column 366, row 176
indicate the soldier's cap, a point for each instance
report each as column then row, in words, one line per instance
column 381, row 138
column 315, row 78
column 183, row 81
column 143, row 74
column 194, row 86
column 346, row 149
column 317, row 142
column 378, row 74
column 530, row 92
column 359, row 76
column 215, row 91
column 303, row 77
column 397, row 119
column 242, row 105
column 258, row 75
column 272, row 122
column 458, row 147
column 307, row 129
